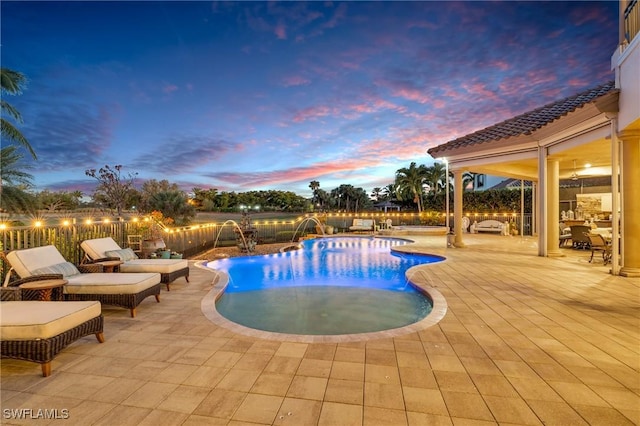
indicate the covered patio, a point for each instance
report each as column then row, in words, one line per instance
column 576, row 137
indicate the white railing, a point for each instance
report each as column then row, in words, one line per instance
column 631, row 21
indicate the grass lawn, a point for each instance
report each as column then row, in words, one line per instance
column 208, row 217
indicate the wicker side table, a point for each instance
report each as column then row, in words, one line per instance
column 110, row 265
column 45, row 288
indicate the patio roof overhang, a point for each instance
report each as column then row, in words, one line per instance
column 575, row 129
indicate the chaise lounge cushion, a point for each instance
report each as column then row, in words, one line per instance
column 66, row 269
column 29, row 320
column 100, row 248
column 122, row 254
column 35, row 261
column 163, row 266
column 38, row 260
column 109, row 283
column 27, row 262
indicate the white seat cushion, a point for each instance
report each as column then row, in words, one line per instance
column 98, row 247
column 26, row 261
column 109, row 283
column 163, row 266
column 28, row 320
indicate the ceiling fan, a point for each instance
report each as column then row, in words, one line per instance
column 574, row 175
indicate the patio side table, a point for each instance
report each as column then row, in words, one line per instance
column 45, row 288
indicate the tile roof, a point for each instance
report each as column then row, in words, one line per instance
column 511, row 183
column 529, row 122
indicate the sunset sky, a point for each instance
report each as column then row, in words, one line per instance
column 262, row 95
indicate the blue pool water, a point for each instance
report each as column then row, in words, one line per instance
column 330, row 286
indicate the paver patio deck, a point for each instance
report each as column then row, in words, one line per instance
column 526, row 340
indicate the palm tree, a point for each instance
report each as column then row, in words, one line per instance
column 410, row 180
column 12, row 83
column 435, row 177
column 314, row 185
column 15, row 181
column 173, row 204
column 389, row 192
column 376, row 193
column 12, row 170
column 468, row 178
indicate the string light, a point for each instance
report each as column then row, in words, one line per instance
column 67, row 222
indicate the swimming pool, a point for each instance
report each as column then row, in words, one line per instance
column 329, row 287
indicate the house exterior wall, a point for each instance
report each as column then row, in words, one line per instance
column 626, row 63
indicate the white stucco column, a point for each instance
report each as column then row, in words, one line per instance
column 457, row 208
column 553, row 208
column 615, row 198
column 534, row 216
column 630, row 188
column 541, row 197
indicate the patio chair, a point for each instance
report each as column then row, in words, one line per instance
column 579, row 236
column 101, row 249
column 85, row 282
column 37, row 331
column 598, row 243
column 564, row 236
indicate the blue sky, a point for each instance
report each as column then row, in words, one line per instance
column 264, row 95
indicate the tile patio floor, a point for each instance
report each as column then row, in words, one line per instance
column 525, row 341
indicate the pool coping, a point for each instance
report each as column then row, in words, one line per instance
column 415, row 277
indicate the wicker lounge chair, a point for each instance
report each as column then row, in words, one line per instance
column 38, row 331
column 124, row 289
column 101, row 249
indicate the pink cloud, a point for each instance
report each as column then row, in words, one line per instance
column 481, row 90
column 501, row 65
column 295, row 80
column 280, row 31
column 415, row 95
column 169, row 88
column 312, row 113
column 296, row 174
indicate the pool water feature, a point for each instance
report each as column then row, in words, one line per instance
column 330, row 286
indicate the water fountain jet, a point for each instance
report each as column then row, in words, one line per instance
column 306, row 220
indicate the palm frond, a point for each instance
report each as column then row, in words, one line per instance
column 9, row 132
column 15, row 200
column 12, row 82
column 12, row 170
